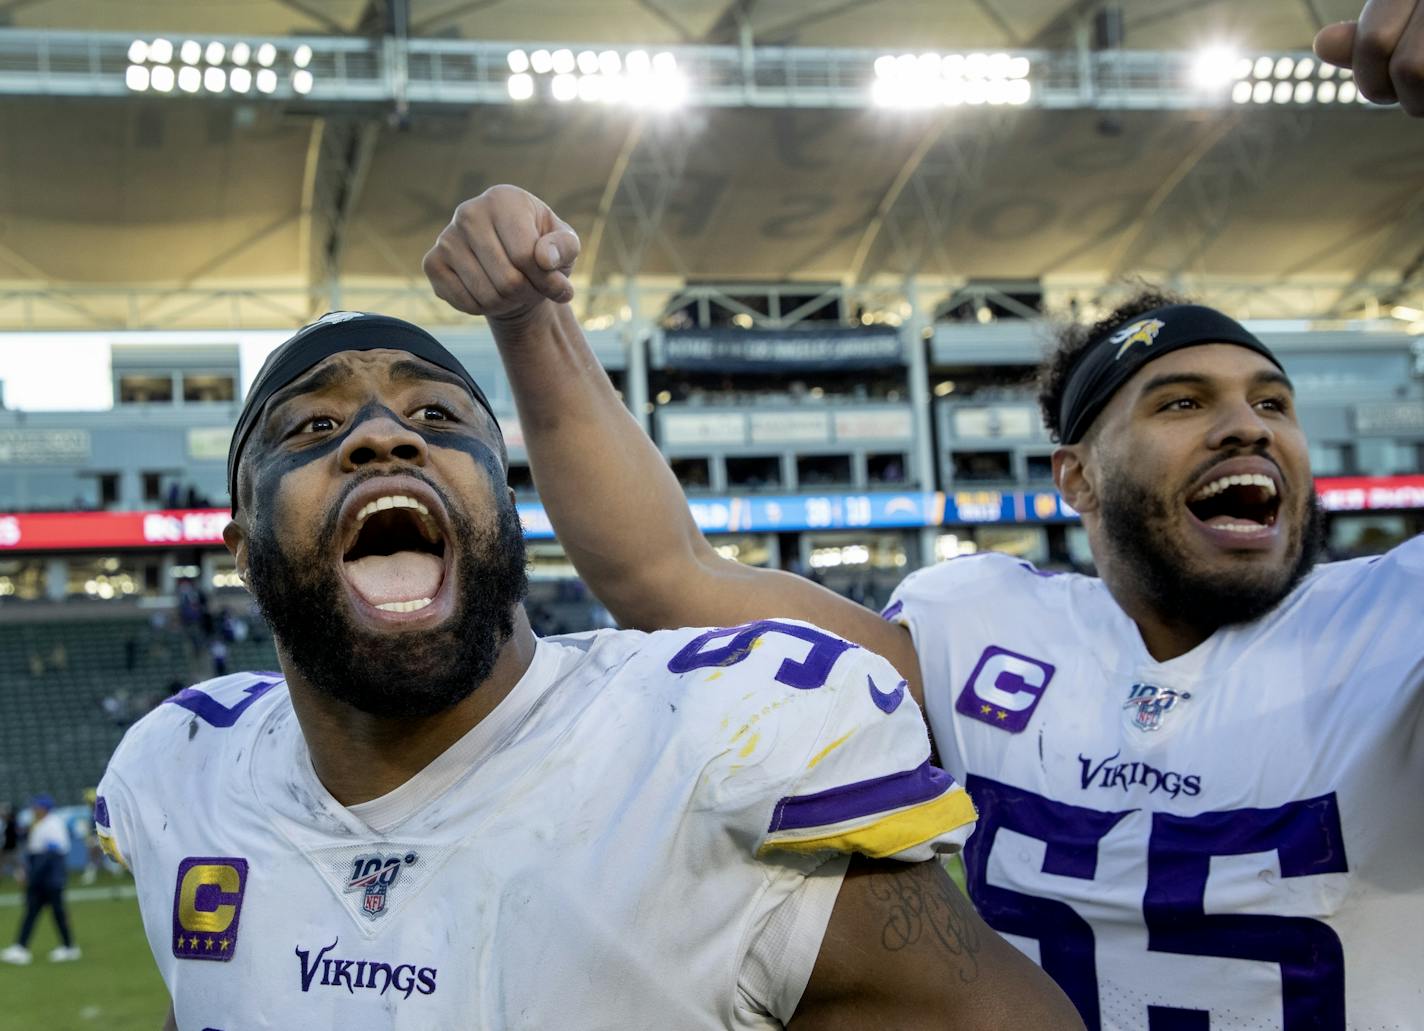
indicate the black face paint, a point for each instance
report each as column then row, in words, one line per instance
column 299, row 588
column 390, row 674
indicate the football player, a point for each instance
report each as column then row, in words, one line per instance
column 430, row 818
column 1195, row 775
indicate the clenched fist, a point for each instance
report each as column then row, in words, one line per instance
column 503, row 255
column 1385, row 49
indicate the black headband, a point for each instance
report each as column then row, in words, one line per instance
column 333, row 333
column 1114, row 358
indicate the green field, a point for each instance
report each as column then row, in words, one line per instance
column 115, row 987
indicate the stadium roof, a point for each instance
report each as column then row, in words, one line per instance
column 171, row 211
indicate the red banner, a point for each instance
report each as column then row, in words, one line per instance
column 71, row 531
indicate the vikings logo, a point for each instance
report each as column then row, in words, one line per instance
column 1152, row 704
column 1143, row 332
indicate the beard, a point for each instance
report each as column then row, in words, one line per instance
column 393, row 675
column 1138, row 525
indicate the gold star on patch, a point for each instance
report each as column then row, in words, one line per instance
column 179, row 946
column 223, row 943
column 984, row 710
column 193, row 942
column 208, row 945
column 1001, row 714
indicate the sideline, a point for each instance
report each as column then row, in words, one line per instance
column 86, row 894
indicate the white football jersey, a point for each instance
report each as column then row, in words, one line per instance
column 1231, row 839
column 637, row 837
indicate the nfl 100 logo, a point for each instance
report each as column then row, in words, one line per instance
column 1148, row 704
column 374, row 876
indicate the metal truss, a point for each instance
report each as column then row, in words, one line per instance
column 395, row 72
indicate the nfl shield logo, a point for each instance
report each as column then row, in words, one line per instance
column 375, row 900
column 1149, row 704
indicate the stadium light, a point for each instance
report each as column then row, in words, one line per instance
column 215, row 80
column 1215, row 68
column 215, row 53
column 266, row 55
column 136, row 78
column 162, row 79
column 266, row 81
column 211, row 67
column 160, row 51
column 302, row 56
column 191, row 52
column 639, row 79
column 190, row 80
column 302, row 81
column 919, row 81
column 1286, row 79
column 138, row 51
column 240, row 80
column 241, row 54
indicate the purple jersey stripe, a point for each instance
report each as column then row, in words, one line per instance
column 892, row 610
column 860, row 799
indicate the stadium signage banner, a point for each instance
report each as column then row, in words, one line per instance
column 770, row 513
column 735, row 350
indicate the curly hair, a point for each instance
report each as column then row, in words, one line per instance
column 1071, row 339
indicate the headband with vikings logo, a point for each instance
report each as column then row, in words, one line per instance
column 1114, row 358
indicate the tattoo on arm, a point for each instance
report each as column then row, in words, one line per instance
column 921, row 901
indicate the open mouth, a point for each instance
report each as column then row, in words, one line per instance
column 396, row 562
column 1243, row 504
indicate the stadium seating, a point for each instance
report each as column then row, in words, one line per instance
column 69, row 689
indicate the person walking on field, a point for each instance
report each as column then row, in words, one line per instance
column 45, row 875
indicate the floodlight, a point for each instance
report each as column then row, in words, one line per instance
column 214, row 80
column 518, row 61
column 161, row 79
column 951, row 92
column 905, row 65
column 267, row 81
column 1304, row 68
column 191, row 52
column 664, row 63
column 1261, row 92
column 1214, row 68
column 1018, row 68
column 927, row 65
column 1327, row 71
column 670, row 92
column 1347, row 93
column 266, row 55
column 976, row 65
column 1283, row 93
column 614, row 89
column 1326, row 93
column 1020, row 92
column 541, row 61
column 953, row 66
column 302, row 81
column 138, row 51
column 190, row 80
column 301, row 57
column 215, row 53
column 1304, row 92
column 521, row 86
column 1284, row 67
column 590, row 87
column 1263, row 67
column 976, row 91
column 588, row 62
column 1243, row 68
column 1241, row 92
column 136, row 78
column 240, row 53
column 564, row 87
column 240, row 80
column 564, row 62
column 996, row 91
column 160, row 51
column 638, row 63
column 885, row 66
column 609, row 62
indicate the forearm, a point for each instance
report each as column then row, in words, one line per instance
column 619, row 512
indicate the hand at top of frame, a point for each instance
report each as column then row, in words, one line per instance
column 1385, row 49
column 503, row 255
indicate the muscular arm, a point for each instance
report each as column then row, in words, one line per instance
column 905, row 950
column 617, row 508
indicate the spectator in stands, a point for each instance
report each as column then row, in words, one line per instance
column 46, row 855
column 10, row 843
column 218, row 651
